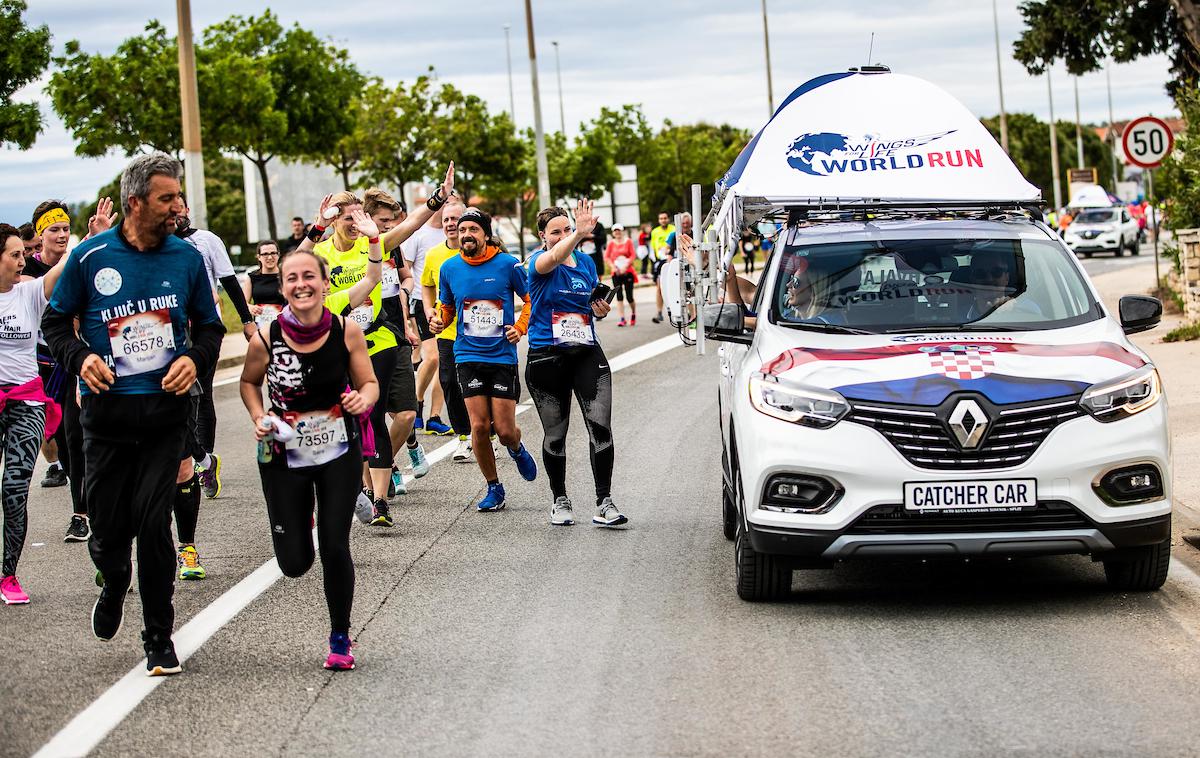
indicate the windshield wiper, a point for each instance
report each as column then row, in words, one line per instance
column 956, row 328
column 818, row 327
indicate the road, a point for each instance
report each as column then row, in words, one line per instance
column 497, row 634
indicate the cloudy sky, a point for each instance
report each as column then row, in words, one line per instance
column 681, row 60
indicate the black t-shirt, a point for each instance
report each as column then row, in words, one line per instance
column 289, row 243
column 35, row 268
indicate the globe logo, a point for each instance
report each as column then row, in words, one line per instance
column 806, row 147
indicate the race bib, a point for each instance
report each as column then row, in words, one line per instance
column 391, row 278
column 483, row 318
column 363, row 315
column 588, row 247
column 571, row 328
column 320, row 437
column 621, row 264
column 142, row 342
column 642, row 252
column 268, row 314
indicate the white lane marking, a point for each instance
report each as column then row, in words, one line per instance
column 84, row 732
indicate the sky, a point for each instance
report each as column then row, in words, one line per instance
column 683, row 60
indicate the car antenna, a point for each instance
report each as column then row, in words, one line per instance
column 871, row 48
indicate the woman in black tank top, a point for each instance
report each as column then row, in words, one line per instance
column 262, row 290
column 319, row 380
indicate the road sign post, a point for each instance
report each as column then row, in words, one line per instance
column 1147, row 141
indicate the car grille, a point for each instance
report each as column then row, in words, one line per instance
column 922, row 436
column 894, row 519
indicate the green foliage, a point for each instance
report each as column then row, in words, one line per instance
column 23, row 57
column 1183, row 333
column 680, row 156
column 394, row 132
column 1029, row 147
column 1178, row 179
column 1083, row 33
column 487, row 153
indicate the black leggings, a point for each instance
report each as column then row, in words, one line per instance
column 456, row 407
column 384, row 363
column 552, row 376
column 206, row 415
column 21, row 429
column 623, row 284
column 289, row 493
column 73, row 437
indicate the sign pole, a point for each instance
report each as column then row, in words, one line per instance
column 1153, row 215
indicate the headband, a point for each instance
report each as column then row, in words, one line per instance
column 50, row 217
column 479, row 217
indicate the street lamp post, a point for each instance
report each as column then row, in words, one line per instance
column 562, row 119
column 1112, row 129
column 512, row 101
column 193, row 153
column 1000, row 81
column 1053, row 146
column 1078, row 129
column 539, row 137
column 767, row 52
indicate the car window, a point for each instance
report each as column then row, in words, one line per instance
column 924, row 284
column 1097, row 216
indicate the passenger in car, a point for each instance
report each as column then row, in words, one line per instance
column 996, row 286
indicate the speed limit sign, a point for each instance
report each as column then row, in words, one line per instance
column 1147, row 141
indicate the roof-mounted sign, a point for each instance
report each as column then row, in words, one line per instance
column 875, row 136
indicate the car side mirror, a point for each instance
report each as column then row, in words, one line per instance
column 725, row 322
column 1139, row 313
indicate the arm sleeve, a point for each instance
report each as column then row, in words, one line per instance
column 522, row 322
column 233, row 288
column 206, row 345
column 58, row 329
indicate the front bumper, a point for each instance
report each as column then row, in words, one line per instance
column 872, row 473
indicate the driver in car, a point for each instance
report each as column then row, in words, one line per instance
column 995, row 288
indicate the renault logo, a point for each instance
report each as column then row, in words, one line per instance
column 968, row 422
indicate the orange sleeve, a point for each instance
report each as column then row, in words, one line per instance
column 522, row 323
column 445, row 313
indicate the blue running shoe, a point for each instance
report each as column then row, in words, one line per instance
column 525, row 465
column 494, row 499
column 418, row 424
column 435, row 426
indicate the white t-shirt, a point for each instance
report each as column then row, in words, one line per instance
column 422, row 241
column 216, row 257
column 21, row 310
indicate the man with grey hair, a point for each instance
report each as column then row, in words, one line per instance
column 147, row 328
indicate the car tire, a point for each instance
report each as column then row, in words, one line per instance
column 1134, row 247
column 1120, row 251
column 1087, row 254
column 1143, row 569
column 760, row 577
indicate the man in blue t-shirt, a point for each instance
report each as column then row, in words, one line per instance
column 147, row 328
column 478, row 289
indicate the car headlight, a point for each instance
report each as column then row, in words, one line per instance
column 797, row 403
column 1124, row 396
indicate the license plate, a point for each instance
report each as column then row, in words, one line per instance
column 976, row 495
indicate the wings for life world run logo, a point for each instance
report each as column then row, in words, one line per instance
column 829, row 153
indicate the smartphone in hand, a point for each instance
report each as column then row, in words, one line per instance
column 602, row 292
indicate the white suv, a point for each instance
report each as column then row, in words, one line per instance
column 937, row 386
column 1099, row 230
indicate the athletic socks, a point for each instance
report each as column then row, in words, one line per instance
column 205, row 464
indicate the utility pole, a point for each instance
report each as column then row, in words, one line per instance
column 1053, row 146
column 539, row 137
column 767, row 51
column 562, row 119
column 512, row 100
column 1112, row 129
column 1078, row 129
column 999, row 81
column 189, row 97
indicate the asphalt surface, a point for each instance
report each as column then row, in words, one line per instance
column 498, row 634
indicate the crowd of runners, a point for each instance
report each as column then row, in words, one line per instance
column 108, row 353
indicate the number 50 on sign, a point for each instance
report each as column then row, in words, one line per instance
column 1147, row 141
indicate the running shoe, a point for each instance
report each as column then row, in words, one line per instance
column 381, row 515
column 494, row 499
column 210, row 478
column 160, row 655
column 462, row 453
column 525, row 465
column 621, row 322
column 11, row 592
column 418, row 424
column 107, row 613
column 608, row 515
column 396, row 486
column 435, row 426
column 364, row 508
column 340, row 658
column 633, row 320
column 56, row 476
column 657, row 319
column 189, row 564
column 561, row 513
column 420, row 466
column 78, row 530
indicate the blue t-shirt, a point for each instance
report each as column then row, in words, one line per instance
column 561, row 311
column 482, row 299
column 134, row 306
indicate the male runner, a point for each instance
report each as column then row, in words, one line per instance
column 142, row 297
column 477, row 289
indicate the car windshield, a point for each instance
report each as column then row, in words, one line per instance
column 883, row 286
column 1097, row 216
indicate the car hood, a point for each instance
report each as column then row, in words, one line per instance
column 924, row 369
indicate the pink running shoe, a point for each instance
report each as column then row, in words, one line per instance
column 340, row 658
column 11, row 592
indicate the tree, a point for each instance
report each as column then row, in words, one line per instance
column 680, row 156
column 128, row 101
column 1178, row 179
column 274, row 93
column 395, row 132
column 486, row 150
column 1083, row 33
column 1029, row 147
column 23, row 58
